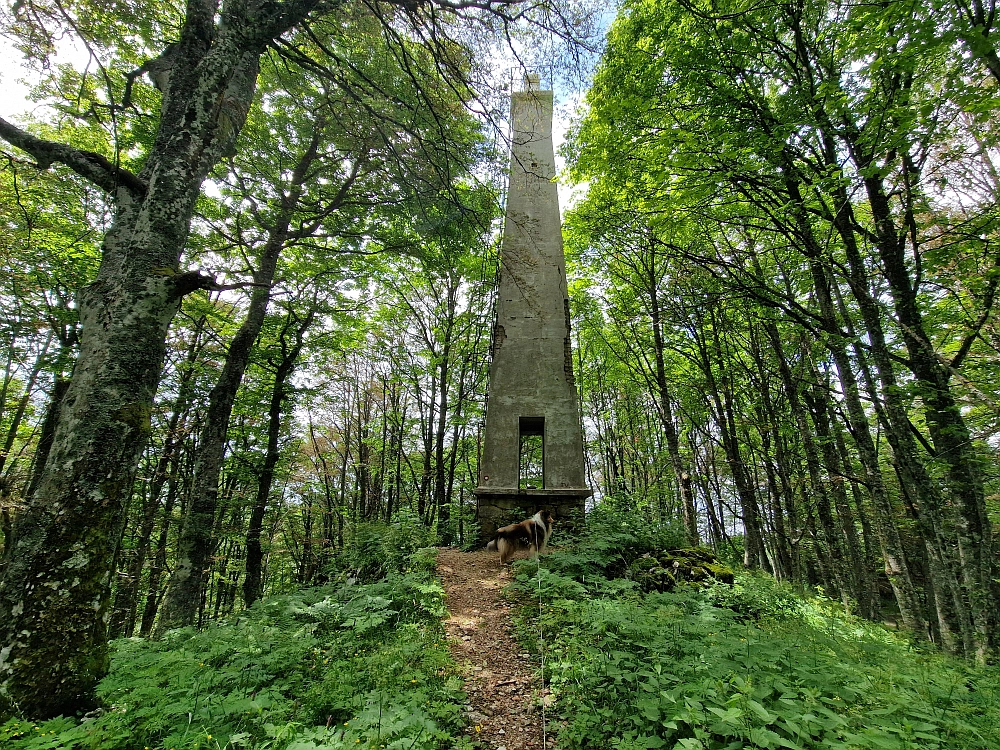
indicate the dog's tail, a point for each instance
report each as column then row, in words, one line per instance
column 492, row 546
column 505, row 547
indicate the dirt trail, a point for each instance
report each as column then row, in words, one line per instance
column 503, row 692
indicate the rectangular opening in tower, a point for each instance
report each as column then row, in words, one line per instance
column 531, row 453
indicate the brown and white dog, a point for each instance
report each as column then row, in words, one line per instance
column 532, row 534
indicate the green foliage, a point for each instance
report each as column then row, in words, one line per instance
column 333, row 667
column 608, row 545
column 378, row 549
column 748, row 665
column 723, row 146
column 757, row 597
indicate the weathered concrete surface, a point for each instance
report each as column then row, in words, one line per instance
column 531, row 374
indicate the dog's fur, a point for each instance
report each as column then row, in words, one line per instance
column 532, row 534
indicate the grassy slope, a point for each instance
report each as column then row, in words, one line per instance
column 357, row 666
column 745, row 666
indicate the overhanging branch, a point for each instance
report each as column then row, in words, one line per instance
column 88, row 164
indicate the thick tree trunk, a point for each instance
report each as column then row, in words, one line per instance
column 54, row 594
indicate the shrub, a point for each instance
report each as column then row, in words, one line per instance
column 344, row 666
column 757, row 597
column 376, row 549
column 611, row 542
column 724, row 667
column 664, row 570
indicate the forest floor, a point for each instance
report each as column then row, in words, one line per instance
column 504, row 694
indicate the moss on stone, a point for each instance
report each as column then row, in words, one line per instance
column 664, row 570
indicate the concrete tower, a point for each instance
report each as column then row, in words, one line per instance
column 533, row 445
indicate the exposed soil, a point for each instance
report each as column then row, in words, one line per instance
column 504, row 695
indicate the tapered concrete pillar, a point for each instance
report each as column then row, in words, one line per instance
column 533, row 443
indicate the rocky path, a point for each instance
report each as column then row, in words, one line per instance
column 503, row 693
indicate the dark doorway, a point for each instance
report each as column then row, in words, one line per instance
column 531, row 453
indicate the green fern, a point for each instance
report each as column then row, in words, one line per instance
column 750, row 665
column 358, row 666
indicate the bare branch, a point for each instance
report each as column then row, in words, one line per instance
column 190, row 281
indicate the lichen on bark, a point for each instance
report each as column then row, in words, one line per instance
column 55, row 593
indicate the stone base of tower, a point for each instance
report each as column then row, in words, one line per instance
column 500, row 506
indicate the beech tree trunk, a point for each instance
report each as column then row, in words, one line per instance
column 893, row 553
column 442, row 498
column 55, row 592
column 952, row 440
column 681, row 475
column 754, row 552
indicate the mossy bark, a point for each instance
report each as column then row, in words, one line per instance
column 55, row 592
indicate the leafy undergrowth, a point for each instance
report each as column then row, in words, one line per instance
column 352, row 666
column 749, row 665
